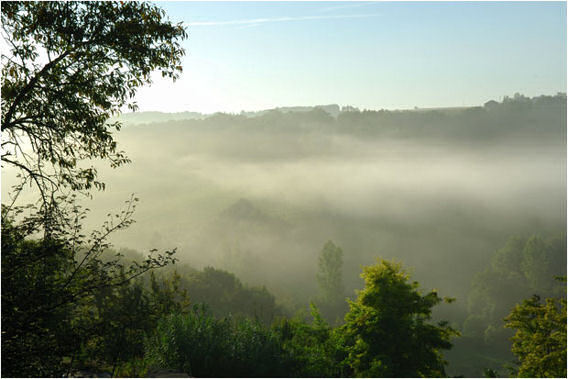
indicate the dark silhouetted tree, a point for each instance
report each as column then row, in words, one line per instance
column 69, row 67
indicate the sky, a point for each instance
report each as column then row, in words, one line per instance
column 372, row 55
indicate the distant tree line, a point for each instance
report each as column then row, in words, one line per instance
column 517, row 117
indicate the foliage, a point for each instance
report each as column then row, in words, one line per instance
column 122, row 316
column 33, row 336
column 330, row 280
column 314, row 350
column 49, row 283
column 200, row 345
column 524, row 266
column 167, row 295
column 540, row 339
column 387, row 329
column 225, row 294
column 70, row 66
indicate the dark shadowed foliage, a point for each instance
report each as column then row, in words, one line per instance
column 70, row 66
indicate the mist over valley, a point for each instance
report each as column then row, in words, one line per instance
column 259, row 196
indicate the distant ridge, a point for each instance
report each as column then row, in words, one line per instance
column 334, row 110
column 151, row 117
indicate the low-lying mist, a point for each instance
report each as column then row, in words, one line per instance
column 260, row 195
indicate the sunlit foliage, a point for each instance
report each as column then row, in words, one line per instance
column 540, row 339
column 388, row 327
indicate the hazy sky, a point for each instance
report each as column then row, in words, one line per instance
column 258, row 55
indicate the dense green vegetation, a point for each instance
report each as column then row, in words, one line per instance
column 540, row 341
column 125, row 328
column 207, row 323
column 253, row 289
column 386, row 333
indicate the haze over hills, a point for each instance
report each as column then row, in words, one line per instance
column 333, row 110
column 153, row 117
column 150, row 117
column 476, row 122
column 470, row 176
column 259, row 195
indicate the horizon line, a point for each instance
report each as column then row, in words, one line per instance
column 360, row 108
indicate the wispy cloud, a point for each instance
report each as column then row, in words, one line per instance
column 257, row 21
column 349, row 5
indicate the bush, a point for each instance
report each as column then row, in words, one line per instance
column 200, row 345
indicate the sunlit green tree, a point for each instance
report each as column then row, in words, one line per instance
column 540, row 339
column 388, row 329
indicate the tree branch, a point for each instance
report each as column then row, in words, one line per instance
column 30, row 86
